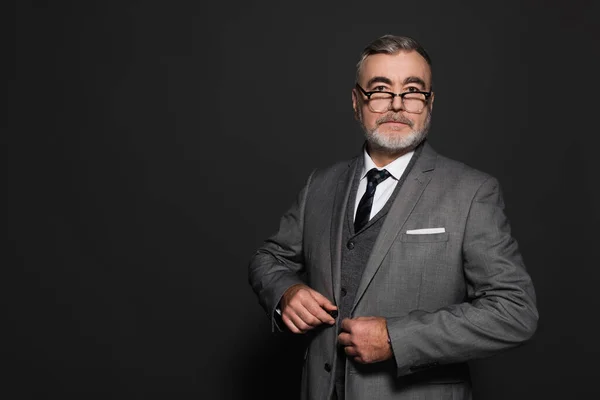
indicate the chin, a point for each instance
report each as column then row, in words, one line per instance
column 394, row 141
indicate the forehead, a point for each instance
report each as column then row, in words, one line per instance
column 396, row 67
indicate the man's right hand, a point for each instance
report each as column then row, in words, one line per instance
column 303, row 309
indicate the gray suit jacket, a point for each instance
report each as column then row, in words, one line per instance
column 448, row 297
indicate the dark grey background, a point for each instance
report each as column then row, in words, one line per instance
column 152, row 146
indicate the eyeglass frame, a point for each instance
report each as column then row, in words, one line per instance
column 394, row 95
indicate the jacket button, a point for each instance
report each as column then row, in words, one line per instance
column 343, row 292
column 350, row 245
column 327, row 367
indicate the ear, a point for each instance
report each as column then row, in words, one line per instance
column 355, row 103
column 431, row 98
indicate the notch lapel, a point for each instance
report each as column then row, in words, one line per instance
column 338, row 218
column 406, row 199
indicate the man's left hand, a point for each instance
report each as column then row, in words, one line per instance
column 365, row 339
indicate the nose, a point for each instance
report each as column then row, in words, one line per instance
column 396, row 104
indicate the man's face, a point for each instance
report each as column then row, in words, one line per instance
column 395, row 129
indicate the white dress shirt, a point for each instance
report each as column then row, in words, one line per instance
column 384, row 190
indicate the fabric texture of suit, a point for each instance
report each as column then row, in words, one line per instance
column 447, row 297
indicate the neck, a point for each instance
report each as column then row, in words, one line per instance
column 382, row 157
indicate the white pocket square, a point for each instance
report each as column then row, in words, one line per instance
column 425, row 231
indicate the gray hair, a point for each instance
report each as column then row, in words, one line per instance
column 390, row 44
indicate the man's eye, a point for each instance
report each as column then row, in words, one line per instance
column 412, row 89
column 379, row 89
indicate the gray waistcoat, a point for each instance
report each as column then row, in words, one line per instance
column 356, row 250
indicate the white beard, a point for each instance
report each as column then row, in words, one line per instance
column 394, row 143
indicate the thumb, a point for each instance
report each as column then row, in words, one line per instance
column 323, row 301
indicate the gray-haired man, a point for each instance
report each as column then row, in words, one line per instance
column 410, row 266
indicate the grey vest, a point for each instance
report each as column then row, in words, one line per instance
column 356, row 250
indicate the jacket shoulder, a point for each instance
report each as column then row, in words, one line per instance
column 333, row 173
column 458, row 172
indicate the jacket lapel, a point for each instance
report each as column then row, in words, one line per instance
column 406, row 199
column 340, row 202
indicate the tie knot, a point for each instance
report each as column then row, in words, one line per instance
column 375, row 176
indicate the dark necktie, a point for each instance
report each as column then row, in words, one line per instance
column 363, row 212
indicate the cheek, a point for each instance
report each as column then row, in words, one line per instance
column 420, row 121
column 369, row 120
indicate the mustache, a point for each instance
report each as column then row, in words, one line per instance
column 394, row 118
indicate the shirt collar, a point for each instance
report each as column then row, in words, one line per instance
column 395, row 168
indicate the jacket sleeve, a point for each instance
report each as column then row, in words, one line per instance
column 279, row 262
column 500, row 311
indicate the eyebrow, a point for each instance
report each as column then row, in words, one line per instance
column 381, row 79
column 388, row 81
column 415, row 79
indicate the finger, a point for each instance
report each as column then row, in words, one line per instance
column 307, row 316
column 347, row 325
column 323, row 301
column 299, row 322
column 360, row 360
column 318, row 312
column 345, row 339
column 300, row 315
column 351, row 351
column 290, row 325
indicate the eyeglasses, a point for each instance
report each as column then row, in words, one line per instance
column 413, row 102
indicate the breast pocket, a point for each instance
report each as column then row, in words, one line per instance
column 424, row 238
